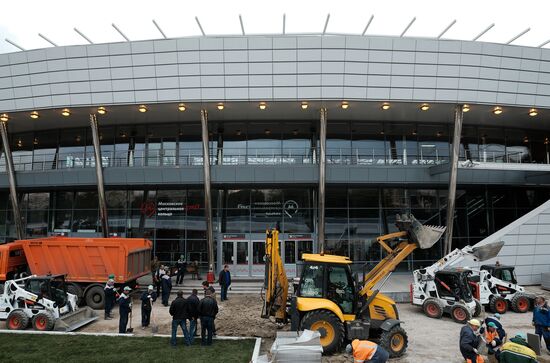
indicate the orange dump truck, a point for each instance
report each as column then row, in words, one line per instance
column 87, row 262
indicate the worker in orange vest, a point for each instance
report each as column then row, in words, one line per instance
column 366, row 351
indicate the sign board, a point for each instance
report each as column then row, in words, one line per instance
column 534, row 342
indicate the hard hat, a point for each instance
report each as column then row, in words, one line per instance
column 111, row 282
column 497, row 315
column 474, row 322
column 522, row 336
column 491, row 325
column 112, row 276
column 127, row 288
column 150, row 287
column 348, row 349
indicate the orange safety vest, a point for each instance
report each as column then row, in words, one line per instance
column 479, row 359
column 363, row 350
column 489, row 337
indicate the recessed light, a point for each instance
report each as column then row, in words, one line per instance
column 304, row 105
column 439, row 134
column 19, row 143
column 497, row 110
column 238, row 132
column 101, row 110
column 533, row 112
column 34, row 115
column 35, row 141
column 220, row 106
column 345, row 105
column 4, row 117
column 525, row 139
column 182, row 107
column 77, row 138
column 385, row 106
column 267, row 131
column 465, row 107
column 66, row 112
column 142, row 108
column 424, row 107
column 263, row 106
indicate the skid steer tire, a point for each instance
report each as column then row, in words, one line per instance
column 432, row 308
column 328, row 325
column 43, row 321
column 520, row 303
column 479, row 308
column 17, row 320
column 95, row 297
column 498, row 305
column 394, row 341
column 460, row 314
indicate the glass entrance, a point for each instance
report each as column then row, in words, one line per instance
column 235, row 254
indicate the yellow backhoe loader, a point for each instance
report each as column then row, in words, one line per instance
column 328, row 299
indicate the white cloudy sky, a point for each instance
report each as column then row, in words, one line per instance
column 22, row 20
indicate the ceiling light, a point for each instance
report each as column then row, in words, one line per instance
column 19, row 143
column 220, row 106
column 424, row 107
column 439, row 134
column 533, row 112
column 546, row 141
column 381, row 132
column 77, row 138
column 238, row 132
column 497, row 110
column 123, row 134
column 181, row 107
column 345, row 105
column 267, row 131
column 304, row 105
column 385, row 106
column 34, row 115
column 142, row 108
column 295, row 132
column 263, row 106
column 465, row 107
column 414, row 132
column 101, row 110
column 35, row 141
column 66, row 112
column 4, row 117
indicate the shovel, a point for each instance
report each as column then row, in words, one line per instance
column 130, row 329
column 154, row 326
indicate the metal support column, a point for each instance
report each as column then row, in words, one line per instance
column 11, row 179
column 459, row 115
column 322, row 177
column 207, row 193
column 219, row 153
column 99, row 177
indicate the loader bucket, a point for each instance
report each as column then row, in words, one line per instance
column 75, row 319
column 488, row 250
column 424, row 236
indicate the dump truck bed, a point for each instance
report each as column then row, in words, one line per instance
column 89, row 259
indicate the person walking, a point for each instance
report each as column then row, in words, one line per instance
column 469, row 342
column 193, row 314
column 166, row 282
column 224, row 279
column 208, row 309
column 367, row 351
column 125, row 307
column 110, row 297
column 541, row 320
column 179, row 312
column 181, row 265
column 147, row 299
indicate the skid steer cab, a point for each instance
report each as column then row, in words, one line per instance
column 43, row 302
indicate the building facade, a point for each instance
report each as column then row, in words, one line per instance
column 390, row 117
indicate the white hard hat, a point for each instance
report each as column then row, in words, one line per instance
column 150, row 287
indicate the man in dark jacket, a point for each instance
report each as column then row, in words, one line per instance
column 224, row 279
column 208, row 309
column 179, row 312
column 181, row 265
column 147, row 299
column 470, row 340
column 541, row 320
column 125, row 307
column 193, row 314
column 110, row 297
column 166, row 283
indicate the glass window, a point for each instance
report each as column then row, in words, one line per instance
column 72, row 149
column 258, row 253
column 45, row 150
column 290, row 252
column 433, row 144
column 86, row 200
column 22, row 146
column 85, row 221
column 517, row 147
column 227, row 253
column 338, row 146
column 242, row 253
column 304, row 247
column 369, row 145
column 340, row 288
column 297, row 143
column 116, row 199
column 311, row 283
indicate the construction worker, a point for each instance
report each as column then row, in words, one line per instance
column 541, row 320
column 193, row 307
column 147, row 299
column 157, row 278
column 110, row 297
column 493, row 342
column 224, row 279
column 517, row 351
column 179, row 312
column 366, row 351
column 181, row 265
column 125, row 306
column 166, row 282
column 207, row 287
column 469, row 342
column 495, row 319
column 208, row 309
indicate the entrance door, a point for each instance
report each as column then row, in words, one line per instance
column 235, row 254
column 258, row 258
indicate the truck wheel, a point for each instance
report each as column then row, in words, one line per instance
column 17, row 320
column 520, row 303
column 95, row 297
column 498, row 305
column 75, row 290
column 479, row 307
column 460, row 314
column 394, row 341
column 432, row 308
column 328, row 325
column 43, row 321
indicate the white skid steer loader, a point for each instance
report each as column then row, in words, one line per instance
column 44, row 302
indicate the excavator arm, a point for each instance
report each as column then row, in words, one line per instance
column 275, row 281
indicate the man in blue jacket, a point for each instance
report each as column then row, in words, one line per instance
column 224, row 279
column 147, row 299
column 470, row 340
column 166, row 284
column 125, row 306
column 541, row 320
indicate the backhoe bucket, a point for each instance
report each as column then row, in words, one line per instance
column 424, row 236
column 75, row 319
column 488, row 250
